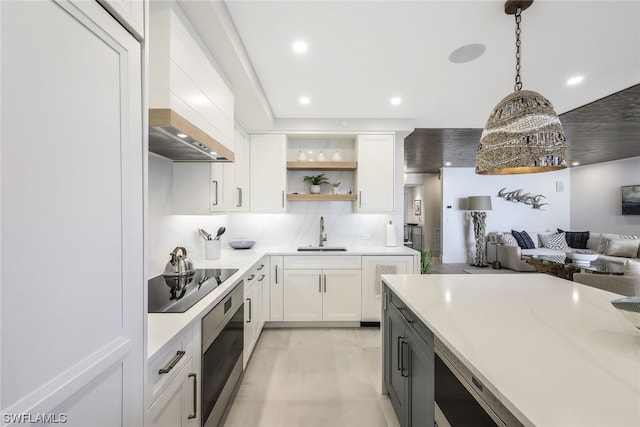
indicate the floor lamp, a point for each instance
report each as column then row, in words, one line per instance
column 478, row 205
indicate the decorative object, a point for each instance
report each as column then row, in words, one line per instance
column 321, row 157
column 301, row 156
column 603, row 245
column 335, row 187
column 630, row 195
column 509, row 240
column 336, row 156
column 523, row 239
column 242, row 244
column 516, row 196
column 576, row 239
column 425, row 261
column 315, row 182
column 629, row 308
column 478, row 205
column 582, row 257
column 555, row 241
column 417, row 207
column 523, row 133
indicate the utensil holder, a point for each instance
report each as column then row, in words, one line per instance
column 212, row 249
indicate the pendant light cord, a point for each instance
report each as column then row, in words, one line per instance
column 518, row 84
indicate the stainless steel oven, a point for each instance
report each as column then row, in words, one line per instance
column 222, row 347
column 461, row 399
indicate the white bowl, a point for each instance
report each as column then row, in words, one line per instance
column 242, row 244
column 582, row 257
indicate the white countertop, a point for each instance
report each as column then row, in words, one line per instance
column 162, row 327
column 555, row 352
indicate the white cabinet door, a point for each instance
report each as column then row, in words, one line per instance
column 268, row 173
column 130, row 13
column 371, row 287
column 238, row 191
column 276, row 289
column 341, row 295
column 72, row 181
column 252, row 314
column 263, row 273
column 177, row 406
column 376, row 176
column 302, row 295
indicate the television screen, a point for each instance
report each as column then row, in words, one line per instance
column 630, row 199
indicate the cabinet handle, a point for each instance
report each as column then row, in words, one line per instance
column 403, row 316
column 283, row 198
column 325, row 283
column 173, row 362
column 239, row 205
column 261, row 267
column 359, row 199
column 276, row 274
column 399, row 352
column 386, row 301
column 403, row 372
column 250, row 310
column 215, row 193
column 261, row 278
column 195, row 395
column 320, row 283
column 251, row 277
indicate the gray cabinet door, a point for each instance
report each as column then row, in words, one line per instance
column 394, row 379
column 420, row 384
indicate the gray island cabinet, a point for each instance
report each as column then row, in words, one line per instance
column 409, row 363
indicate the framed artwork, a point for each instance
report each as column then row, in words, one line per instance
column 417, row 207
column 630, row 199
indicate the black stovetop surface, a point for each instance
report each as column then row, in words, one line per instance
column 169, row 295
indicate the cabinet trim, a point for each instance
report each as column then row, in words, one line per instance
column 336, row 166
column 321, row 197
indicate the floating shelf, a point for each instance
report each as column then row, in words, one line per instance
column 314, row 166
column 322, row 197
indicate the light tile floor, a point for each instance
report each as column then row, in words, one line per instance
column 313, row 377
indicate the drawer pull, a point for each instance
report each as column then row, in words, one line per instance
column 261, row 267
column 262, row 276
column 195, row 395
column 174, row 362
column 251, row 277
column 403, row 316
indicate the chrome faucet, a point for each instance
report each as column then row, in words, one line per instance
column 323, row 235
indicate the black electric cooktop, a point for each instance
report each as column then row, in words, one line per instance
column 177, row 295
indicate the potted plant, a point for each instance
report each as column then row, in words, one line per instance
column 315, row 182
column 425, row 261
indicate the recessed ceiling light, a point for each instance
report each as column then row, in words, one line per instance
column 304, row 100
column 447, row 163
column 396, row 100
column 182, row 135
column 300, row 47
column 467, row 53
column 575, row 80
column 575, row 164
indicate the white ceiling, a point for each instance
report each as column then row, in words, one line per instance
column 362, row 53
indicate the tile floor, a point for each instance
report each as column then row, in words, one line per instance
column 313, row 377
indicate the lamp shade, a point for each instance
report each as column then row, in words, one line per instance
column 523, row 135
column 479, row 203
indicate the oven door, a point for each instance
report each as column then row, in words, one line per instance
column 222, row 369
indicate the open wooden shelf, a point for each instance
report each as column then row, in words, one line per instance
column 318, row 166
column 322, row 197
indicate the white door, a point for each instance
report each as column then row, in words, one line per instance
column 302, row 295
column 268, row 174
column 72, row 278
column 376, row 176
column 341, row 295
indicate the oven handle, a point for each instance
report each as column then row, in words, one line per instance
column 195, row 395
column 173, row 363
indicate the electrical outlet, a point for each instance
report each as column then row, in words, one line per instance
column 366, row 236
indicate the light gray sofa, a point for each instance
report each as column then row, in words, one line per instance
column 511, row 256
column 623, row 285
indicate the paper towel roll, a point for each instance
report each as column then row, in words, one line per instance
column 391, row 235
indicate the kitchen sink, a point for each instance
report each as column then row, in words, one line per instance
column 321, row 249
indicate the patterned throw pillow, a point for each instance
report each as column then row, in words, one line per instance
column 509, row 240
column 627, row 248
column 576, row 239
column 555, row 241
column 632, row 268
column 523, row 239
column 604, row 241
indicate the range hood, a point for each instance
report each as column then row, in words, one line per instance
column 174, row 137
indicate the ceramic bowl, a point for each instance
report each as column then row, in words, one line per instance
column 582, row 258
column 242, row 244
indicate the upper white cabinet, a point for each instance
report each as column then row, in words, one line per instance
column 376, row 173
column 72, row 343
column 268, row 173
column 130, row 13
column 183, row 78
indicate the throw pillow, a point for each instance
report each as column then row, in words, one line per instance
column 627, row 248
column 523, row 239
column 576, row 239
column 555, row 241
column 509, row 240
column 604, row 240
column 632, row 268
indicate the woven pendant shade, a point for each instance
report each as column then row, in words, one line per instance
column 523, row 135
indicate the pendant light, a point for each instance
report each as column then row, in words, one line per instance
column 523, row 133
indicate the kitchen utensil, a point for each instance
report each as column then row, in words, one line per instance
column 179, row 264
column 242, row 244
column 221, row 231
column 204, row 234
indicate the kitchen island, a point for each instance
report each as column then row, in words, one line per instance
column 553, row 352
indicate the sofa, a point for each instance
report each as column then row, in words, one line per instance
column 624, row 285
column 610, row 247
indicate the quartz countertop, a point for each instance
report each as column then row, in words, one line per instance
column 162, row 327
column 555, row 352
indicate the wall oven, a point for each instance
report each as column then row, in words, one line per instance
column 461, row 399
column 222, row 347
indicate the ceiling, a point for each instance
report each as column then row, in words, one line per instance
column 362, row 53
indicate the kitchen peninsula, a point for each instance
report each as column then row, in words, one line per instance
column 553, row 352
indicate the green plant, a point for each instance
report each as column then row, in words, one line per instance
column 425, row 261
column 316, row 180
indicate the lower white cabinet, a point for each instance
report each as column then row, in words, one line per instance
column 254, row 306
column 276, row 288
column 177, row 405
column 371, row 286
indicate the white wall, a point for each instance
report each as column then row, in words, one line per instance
column 458, row 245
column 595, row 196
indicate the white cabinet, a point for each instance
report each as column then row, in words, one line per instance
column 236, row 176
column 268, row 173
column 329, row 292
column 130, row 13
column 371, row 286
column 177, row 406
column 254, row 310
column 73, row 343
column 276, row 289
column 376, row 173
